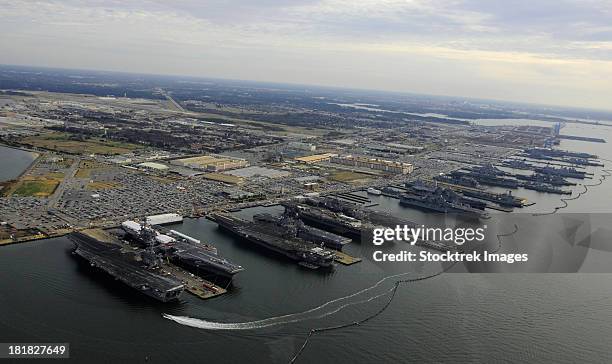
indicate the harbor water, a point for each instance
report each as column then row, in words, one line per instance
column 13, row 162
column 48, row 296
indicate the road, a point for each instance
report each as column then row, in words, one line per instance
column 176, row 104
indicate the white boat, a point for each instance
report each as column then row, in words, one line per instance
column 374, row 191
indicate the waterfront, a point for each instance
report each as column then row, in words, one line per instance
column 13, row 162
column 48, row 296
column 456, row 317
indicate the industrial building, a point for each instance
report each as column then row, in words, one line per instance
column 254, row 171
column 396, row 148
column 316, row 158
column 153, row 165
column 211, row 163
column 164, row 219
column 374, row 163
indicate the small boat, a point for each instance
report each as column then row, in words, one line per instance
column 374, row 191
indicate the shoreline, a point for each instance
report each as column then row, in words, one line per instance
column 35, row 159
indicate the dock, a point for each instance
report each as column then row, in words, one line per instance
column 345, row 259
column 349, row 196
column 581, row 138
column 504, row 209
column 195, row 285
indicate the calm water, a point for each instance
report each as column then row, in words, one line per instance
column 13, row 162
column 48, row 296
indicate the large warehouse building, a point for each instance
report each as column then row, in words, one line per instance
column 211, row 163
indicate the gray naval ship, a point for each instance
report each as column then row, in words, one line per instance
column 292, row 226
column 131, row 268
column 182, row 250
column 568, row 172
column 437, row 201
column 306, row 253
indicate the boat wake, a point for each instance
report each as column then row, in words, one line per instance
column 324, row 310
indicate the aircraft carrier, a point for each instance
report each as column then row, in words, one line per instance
column 182, row 250
column 488, row 169
column 369, row 218
column 517, row 164
column 547, row 152
column 474, row 197
column 292, row 226
column 130, row 268
column 305, row 253
column 502, row 199
column 329, row 220
column 458, row 180
column 488, row 178
column 422, row 189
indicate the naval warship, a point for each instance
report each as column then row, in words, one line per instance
column 329, row 219
column 547, row 152
column 437, row 202
column 420, row 188
column 540, row 187
column 182, row 250
column 562, row 172
column 488, row 178
column 550, row 179
column 304, row 252
column 134, row 269
column 458, row 180
column 291, row 226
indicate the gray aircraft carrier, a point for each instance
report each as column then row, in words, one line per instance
column 126, row 267
column 292, row 226
column 305, row 253
column 182, row 250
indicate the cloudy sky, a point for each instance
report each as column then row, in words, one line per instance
column 541, row 51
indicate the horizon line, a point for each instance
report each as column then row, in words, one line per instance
column 345, row 88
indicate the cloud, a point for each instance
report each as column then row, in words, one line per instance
column 520, row 49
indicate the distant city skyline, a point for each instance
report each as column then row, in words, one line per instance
column 541, row 52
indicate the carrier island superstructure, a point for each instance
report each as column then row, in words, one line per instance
column 181, row 249
column 130, row 268
column 160, row 265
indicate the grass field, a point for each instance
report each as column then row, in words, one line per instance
column 42, row 187
column 62, row 142
column 6, row 232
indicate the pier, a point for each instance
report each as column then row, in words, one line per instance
column 581, row 138
column 345, row 259
column 195, row 285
